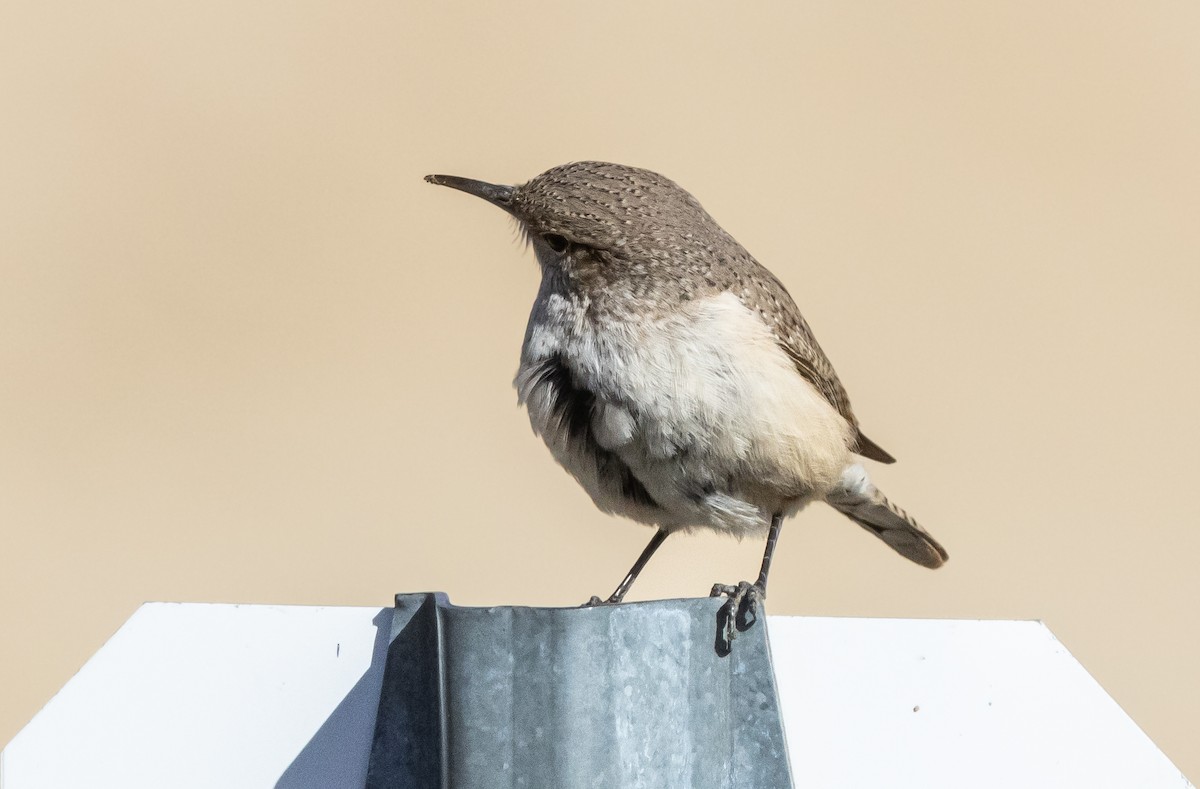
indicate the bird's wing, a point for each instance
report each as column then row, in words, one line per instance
column 797, row 341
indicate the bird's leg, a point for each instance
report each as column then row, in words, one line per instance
column 768, row 553
column 741, row 610
column 619, row 593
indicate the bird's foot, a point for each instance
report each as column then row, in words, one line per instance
column 739, row 613
column 595, row 601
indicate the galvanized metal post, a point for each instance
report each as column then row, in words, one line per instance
column 632, row 695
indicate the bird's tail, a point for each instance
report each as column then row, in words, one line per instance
column 860, row 501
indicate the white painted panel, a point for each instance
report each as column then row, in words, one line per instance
column 190, row 695
column 935, row 703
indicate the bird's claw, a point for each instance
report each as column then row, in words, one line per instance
column 739, row 613
column 594, row 601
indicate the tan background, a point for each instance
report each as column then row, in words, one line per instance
column 249, row 356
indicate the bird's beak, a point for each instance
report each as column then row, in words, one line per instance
column 497, row 195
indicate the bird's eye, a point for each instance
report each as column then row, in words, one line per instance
column 556, row 242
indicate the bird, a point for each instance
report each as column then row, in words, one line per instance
column 673, row 376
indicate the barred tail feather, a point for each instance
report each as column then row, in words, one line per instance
column 860, row 501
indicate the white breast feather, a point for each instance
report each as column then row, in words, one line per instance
column 702, row 395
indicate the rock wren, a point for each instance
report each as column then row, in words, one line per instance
column 673, row 376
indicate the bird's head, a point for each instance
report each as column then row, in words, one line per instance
column 597, row 215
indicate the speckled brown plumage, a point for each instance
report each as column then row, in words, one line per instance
column 655, row 242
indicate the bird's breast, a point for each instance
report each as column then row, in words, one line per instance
column 695, row 399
